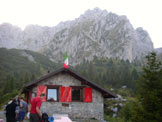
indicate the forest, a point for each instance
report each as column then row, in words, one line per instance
column 139, row 83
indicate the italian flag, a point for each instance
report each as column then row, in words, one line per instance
column 66, row 63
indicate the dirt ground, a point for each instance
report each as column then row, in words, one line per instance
column 2, row 115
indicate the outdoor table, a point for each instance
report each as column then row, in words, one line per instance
column 61, row 118
column 1, row 120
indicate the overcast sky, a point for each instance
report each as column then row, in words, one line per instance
column 141, row 13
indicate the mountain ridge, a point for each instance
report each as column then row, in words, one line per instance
column 95, row 33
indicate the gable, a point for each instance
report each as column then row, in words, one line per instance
column 61, row 79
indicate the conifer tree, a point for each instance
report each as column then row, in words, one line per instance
column 150, row 92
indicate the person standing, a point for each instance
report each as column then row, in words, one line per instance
column 35, row 113
column 11, row 111
column 22, row 109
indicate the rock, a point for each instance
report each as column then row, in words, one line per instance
column 112, row 89
column 120, row 104
column 96, row 33
column 123, row 87
column 119, row 96
column 115, row 109
column 158, row 50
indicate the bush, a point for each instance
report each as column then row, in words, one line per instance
column 112, row 119
column 5, row 98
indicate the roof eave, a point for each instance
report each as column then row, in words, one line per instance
column 84, row 80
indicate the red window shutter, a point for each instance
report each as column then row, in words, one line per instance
column 88, row 95
column 41, row 90
column 68, row 94
column 63, row 94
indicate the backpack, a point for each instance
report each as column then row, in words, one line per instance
column 45, row 117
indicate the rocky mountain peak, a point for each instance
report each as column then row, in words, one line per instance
column 9, row 35
column 95, row 33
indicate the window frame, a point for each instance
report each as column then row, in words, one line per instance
column 57, row 87
column 81, row 88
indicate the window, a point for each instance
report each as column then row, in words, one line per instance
column 77, row 95
column 52, row 93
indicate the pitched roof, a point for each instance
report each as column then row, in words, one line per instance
column 73, row 73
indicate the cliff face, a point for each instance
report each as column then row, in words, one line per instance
column 158, row 50
column 95, row 33
column 10, row 36
column 99, row 33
